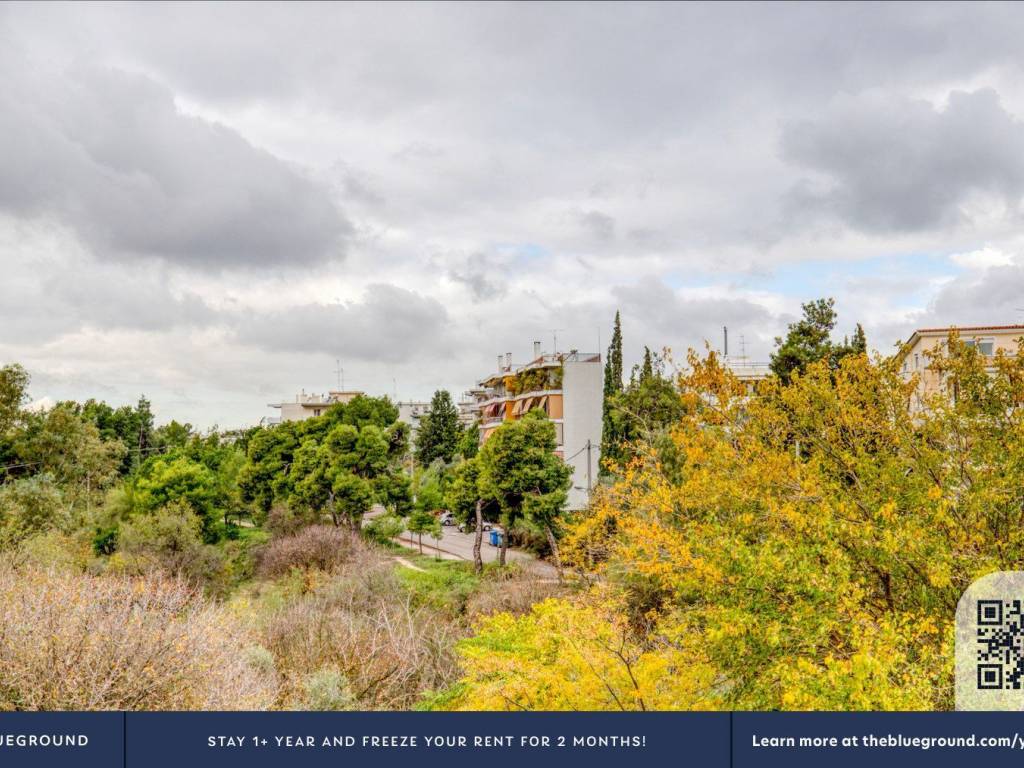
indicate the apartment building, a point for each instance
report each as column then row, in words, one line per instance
column 568, row 387
column 914, row 357
column 307, row 406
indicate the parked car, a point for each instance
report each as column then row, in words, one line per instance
column 471, row 526
column 447, row 518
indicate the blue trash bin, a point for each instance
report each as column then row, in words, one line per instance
column 495, row 538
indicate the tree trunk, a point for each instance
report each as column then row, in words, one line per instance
column 421, row 543
column 553, row 543
column 504, row 548
column 330, row 507
column 478, row 561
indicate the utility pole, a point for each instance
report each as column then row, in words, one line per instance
column 589, row 485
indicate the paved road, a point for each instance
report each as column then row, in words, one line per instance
column 459, row 546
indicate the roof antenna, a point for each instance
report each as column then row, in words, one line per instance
column 340, row 373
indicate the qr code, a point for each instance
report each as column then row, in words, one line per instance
column 1000, row 645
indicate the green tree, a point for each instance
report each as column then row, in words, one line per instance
column 521, row 472
column 610, row 439
column 175, row 478
column 467, row 503
column 60, row 442
column 469, row 441
column 647, row 369
column 810, row 340
column 439, row 432
column 30, row 505
column 13, row 394
column 269, row 456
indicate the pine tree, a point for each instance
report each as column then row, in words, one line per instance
column 439, row 432
column 859, row 345
column 647, row 371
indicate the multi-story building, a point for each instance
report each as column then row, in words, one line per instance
column 411, row 412
column 306, row 406
column 914, row 355
column 750, row 373
column 568, row 387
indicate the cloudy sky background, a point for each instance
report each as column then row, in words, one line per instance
column 211, row 204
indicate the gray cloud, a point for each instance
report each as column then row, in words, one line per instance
column 108, row 154
column 894, row 164
column 600, row 226
column 666, row 318
column 484, row 278
column 388, row 324
column 992, row 296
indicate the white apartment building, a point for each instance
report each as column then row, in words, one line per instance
column 569, row 388
column 307, row 406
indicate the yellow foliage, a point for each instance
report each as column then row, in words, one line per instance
column 803, row 549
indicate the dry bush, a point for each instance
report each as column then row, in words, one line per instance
column 83, row 642
column 363, row 625
column 319, row 546
column 285, row 521
column 512, row 590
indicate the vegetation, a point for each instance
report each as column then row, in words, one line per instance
column 799, row 547
column 809, row 340
column 440, row 432
column 804, row 549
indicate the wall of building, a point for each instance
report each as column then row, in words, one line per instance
column 583, row 389
column 916, row 356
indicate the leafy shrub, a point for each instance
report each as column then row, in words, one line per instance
column 322, row 547
column 31, row 505
column 328, row 690
column 282, row 520
column 85, row 643
column 170, row 540
column 384, row 528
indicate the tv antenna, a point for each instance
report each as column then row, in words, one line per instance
column 554, row 339
column 340, row 373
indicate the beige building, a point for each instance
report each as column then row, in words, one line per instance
column 568, row 387
column 914, row 355
column 307, row 406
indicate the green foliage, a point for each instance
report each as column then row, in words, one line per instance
column 343, row 462
column 171, row 540
column 384, row 528
column 469, row 441
column 610, row 437
column 643, row 411
column 809, row 340
column 520, row 471
column 444, row 585
column 13, row 393
column 270, row 453
column 131, row 426
column 328, row 690
column 31, row 505
column 439, row 432
column 534, row 380
column 63, row 444
column 162, row 480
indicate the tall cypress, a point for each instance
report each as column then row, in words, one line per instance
column 612, row 389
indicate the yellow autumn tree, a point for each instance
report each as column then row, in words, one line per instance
column 803, row 548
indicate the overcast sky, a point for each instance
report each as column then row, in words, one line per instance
column 210, row 204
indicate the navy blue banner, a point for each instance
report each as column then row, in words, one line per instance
column 507, row 740
column 51, row 739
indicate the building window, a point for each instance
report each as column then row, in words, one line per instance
column 316, row 411
column 916, row 361
column 985, row 346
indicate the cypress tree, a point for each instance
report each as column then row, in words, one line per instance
column 612, row 389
